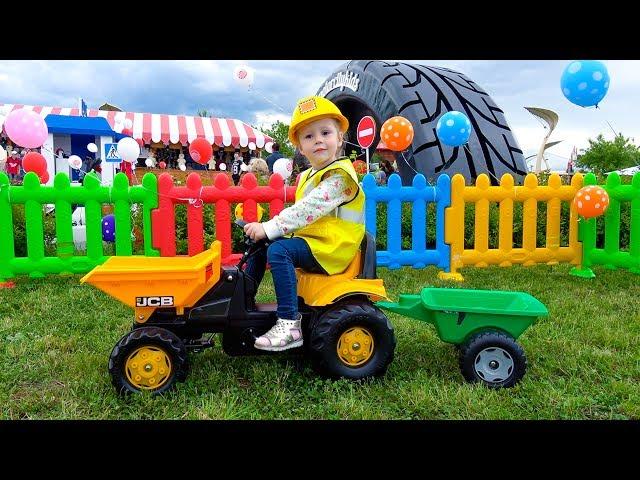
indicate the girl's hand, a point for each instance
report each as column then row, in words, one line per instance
column 255, row 231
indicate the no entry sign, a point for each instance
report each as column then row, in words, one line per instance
column 366, row 131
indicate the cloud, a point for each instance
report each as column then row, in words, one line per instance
column 186, row 86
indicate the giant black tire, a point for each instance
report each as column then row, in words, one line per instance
column 328, row 331
column 153, row 338
column 422, row 94
column 477, row 353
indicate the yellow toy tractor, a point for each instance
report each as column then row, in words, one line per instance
column 180, row 302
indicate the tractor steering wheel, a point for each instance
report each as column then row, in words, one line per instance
column 247, row 240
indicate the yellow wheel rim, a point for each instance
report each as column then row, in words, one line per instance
column 148, row 368
column 355, row 346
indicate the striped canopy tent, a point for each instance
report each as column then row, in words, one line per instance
column 168, row 129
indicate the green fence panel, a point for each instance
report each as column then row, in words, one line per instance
column 610, row 256
column 7, row 251
column 64, row 229
column 62, row 194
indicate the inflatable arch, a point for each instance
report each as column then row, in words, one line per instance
column 422, row 94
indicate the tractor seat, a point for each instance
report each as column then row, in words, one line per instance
column 363, row 265
column 359, row 278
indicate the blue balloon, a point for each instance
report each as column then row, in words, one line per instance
column 585, row 82
column 109, row 228
column 453, row 129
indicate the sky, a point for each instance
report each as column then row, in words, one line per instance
column 186, row 86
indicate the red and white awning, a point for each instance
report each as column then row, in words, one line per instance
column 156, row 127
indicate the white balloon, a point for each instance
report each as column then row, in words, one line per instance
column 243, row 74
column 252, row 146
column 92, row 147
column 269, row 147
column 3, row 154
column 128, row 149
column 75, row 162
column 244, row 167
column 5, row 110
column 223, row 166
column 128, row 123
column 182, row 167
column 148, row 162
column 284, row 167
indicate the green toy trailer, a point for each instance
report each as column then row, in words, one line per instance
column 484, row 324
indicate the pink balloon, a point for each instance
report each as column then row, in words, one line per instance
column 26, row 128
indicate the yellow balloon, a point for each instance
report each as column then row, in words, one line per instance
column 239, row 212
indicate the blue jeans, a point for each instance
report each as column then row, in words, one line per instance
column 284, row 255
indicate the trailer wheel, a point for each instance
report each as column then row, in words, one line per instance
column 493, row 358
column 352, row 340
column 148, row 359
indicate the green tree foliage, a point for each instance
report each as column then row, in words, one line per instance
column 605, row 156
column 280, row 133
column 204, row 113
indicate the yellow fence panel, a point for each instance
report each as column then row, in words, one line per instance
column 506, row 195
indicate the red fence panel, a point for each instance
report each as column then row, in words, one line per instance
column 223, row 195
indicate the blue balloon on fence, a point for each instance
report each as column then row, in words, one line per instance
column 453, row 129
column 585, row 82
column 109, row 228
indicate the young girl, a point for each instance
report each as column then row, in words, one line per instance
column 324, row 227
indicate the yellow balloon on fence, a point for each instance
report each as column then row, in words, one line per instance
column 239, row 212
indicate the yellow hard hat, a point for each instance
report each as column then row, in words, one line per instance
column 314, row 108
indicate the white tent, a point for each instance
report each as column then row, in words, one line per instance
column 627, row 171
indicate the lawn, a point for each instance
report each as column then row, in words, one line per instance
column 584, row 359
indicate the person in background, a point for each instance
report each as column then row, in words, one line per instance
column 236, row 167
column 387, row 167
column 182, row 162
column 300, row 163
column 211, row 164
column 258, row 166
column 271, row 159
column 13, row 166
column 570, row 167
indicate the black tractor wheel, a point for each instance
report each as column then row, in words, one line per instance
column 422, row 94
column 493, row 358
column 353, row 340
column 148, row 359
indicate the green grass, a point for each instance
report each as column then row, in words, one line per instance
column 584, row 359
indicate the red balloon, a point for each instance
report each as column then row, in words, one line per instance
column 162, row 165
column 200, row 150
column 140, row 142
column 127, row 131
column 34, row 162
column 44, row 178
column 360, row 167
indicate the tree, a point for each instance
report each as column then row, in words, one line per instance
column 605, row 156
column 204, row 113
column 280, row 133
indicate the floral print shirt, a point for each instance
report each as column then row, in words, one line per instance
column 335, row 189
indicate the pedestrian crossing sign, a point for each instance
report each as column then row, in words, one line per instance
column 111, row 152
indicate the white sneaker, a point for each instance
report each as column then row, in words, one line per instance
column 283, row 335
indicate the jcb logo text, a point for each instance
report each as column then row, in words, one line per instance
column 154, row 301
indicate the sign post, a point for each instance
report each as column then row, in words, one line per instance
column 366, row 132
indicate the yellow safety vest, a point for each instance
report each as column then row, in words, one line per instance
column 335, row 238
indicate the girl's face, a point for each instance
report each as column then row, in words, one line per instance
column 320, row 141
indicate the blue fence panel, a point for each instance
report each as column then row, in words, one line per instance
column 419, row 194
